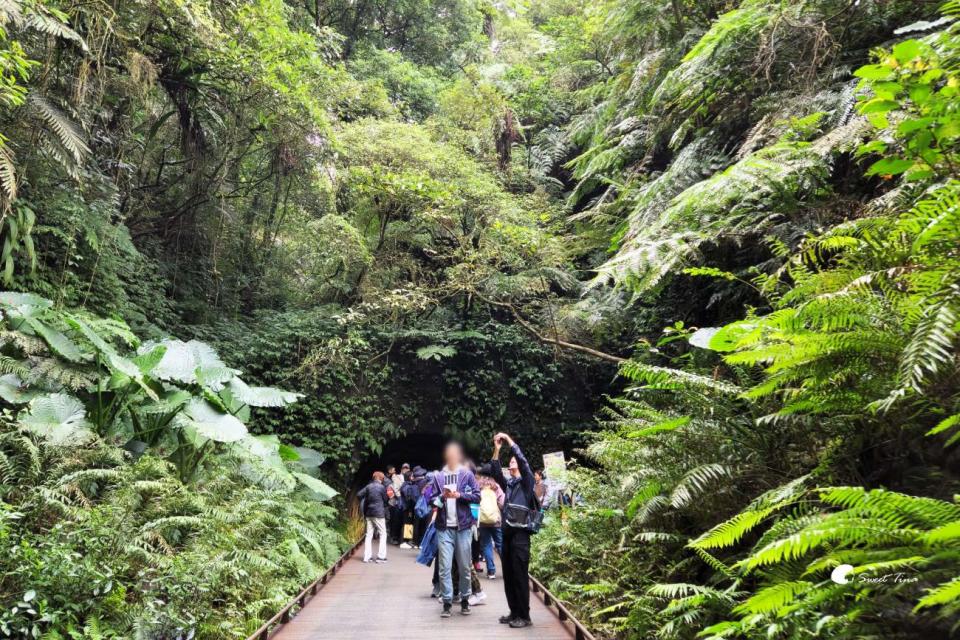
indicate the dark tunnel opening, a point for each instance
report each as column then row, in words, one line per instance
column 424, row 449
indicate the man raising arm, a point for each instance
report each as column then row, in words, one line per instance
column 518, row 505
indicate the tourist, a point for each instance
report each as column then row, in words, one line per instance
column 456, row 488
column 519, row 509
column 395, row 513
column 373, row 505
column 539, row 486
column 491, row 535
column 477, row 597
column 420, row 479
column 409, row 493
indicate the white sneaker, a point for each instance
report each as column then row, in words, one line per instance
column 406, row 545
column 491, row 576
column 477, row 599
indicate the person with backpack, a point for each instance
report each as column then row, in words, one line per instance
column 521, row 513
column 409, row 493
column 374, row 504
column 421, row 507
column 491, row 535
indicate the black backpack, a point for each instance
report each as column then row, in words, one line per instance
column 529, row 517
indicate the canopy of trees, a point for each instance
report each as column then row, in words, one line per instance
column 707, row 247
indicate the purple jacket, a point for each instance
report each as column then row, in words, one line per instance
column 469, row 493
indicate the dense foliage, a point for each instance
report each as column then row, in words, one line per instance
column 709, row 247
column 730, row 485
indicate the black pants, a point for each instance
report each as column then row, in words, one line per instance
column 516, row 571
column 395, row 524
column 419, row 528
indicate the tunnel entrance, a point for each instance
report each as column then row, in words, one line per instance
column 424, row 449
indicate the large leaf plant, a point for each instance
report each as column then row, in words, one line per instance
column 68, row 377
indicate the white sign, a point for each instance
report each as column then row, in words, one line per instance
column 554, row 461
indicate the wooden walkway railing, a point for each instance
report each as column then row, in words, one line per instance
column 283, row 616
column 580, row 632
column 566, row 619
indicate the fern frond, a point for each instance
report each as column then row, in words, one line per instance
column 66, row 131
column 944, row 594
column 48, row 24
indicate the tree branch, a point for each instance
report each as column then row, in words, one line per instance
column 563, row 344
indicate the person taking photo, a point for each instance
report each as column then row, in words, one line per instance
column 520, row 510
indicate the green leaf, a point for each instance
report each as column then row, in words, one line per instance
column 944, row 425
column 702, row 337
column 120, row 366
column 266, row 450
column 288, row 453
column 169, row 402
column 192, row 362
column 874, row 72
column 212, row 424
column 729, row 336
column 906, row 51
column 878, row 105
column 320, row 489
column 147, row 361
column 435, row 352
column 261, row 396
column 15, row 299
column 309, row 460
column 889, row 167
column 660, row 427
column 57, row 417
column 58, row 343
column 14, row 390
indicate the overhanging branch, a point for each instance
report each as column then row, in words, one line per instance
column 563, row 344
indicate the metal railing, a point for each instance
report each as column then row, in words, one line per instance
column 284, row 615
column 580, row 632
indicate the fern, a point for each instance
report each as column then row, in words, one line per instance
column 946, row 594
column 696, row 481
column 50, row 25
column 774, row 598
column 66, row 132
column 8, row 175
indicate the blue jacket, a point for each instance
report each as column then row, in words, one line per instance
column 469, row 493
column 428, row 546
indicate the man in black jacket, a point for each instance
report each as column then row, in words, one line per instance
column 374, row 504
column 418, row 477
column 519, row 491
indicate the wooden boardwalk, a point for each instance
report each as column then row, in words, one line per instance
column 392, row 600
